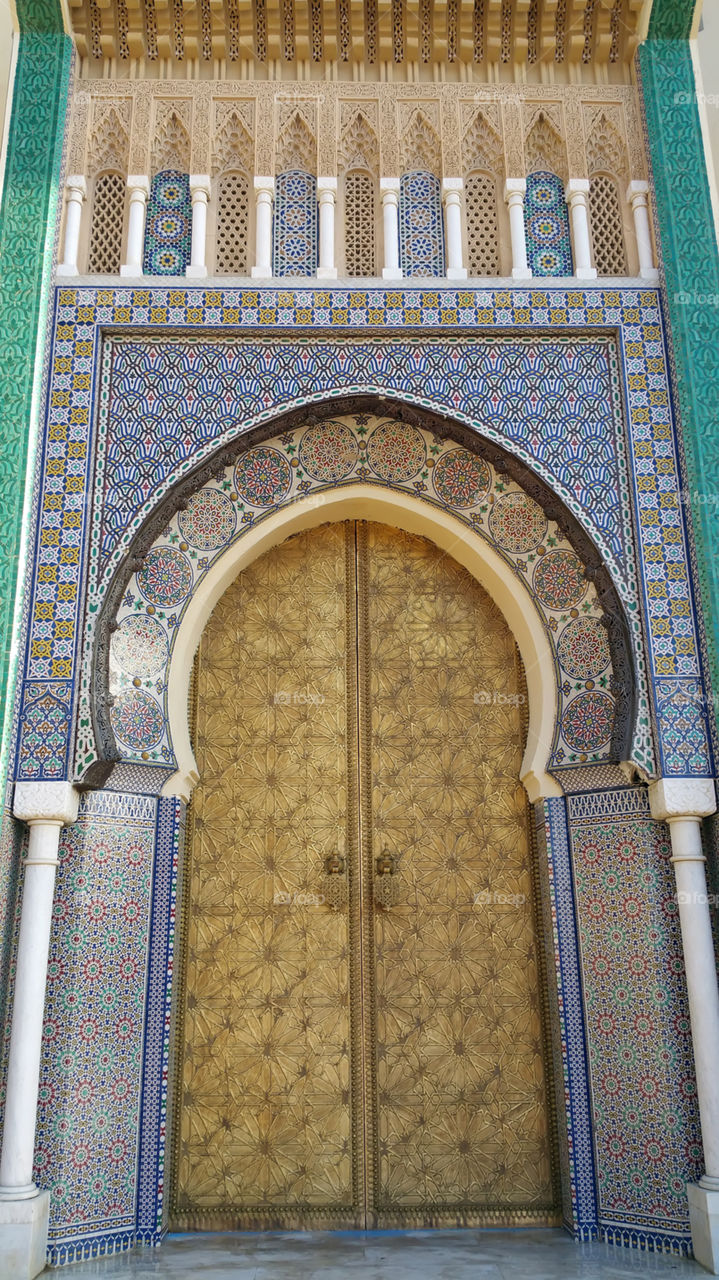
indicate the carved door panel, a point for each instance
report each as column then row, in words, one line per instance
column 381, row 1063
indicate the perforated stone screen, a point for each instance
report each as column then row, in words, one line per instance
column 360, row 259
column 232, row 221
column 482, row 225
column 108, row 216
column 605, row 211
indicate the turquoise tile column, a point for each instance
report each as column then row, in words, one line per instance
column 691, row 268
column 27, row 228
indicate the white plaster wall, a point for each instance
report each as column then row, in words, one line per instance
column 705, row 53
column 7, row 52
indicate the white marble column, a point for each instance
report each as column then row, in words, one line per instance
column 264, row 197
column 638, row 198
column 76, row 190
column 200, row 194
column 389, row 194
column 139, row 188
column 327, row 198
column 683, row 802
column 46, row 807
column 514, row 193
column 452, row 189
column 576, row 193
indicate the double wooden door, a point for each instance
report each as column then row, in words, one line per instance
column 361, row 1037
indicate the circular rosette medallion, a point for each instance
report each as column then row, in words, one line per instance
column 587, row 722
column 559, row 580
column 583, row 648
column 209, row 520
column 139, row 646
column 165, row 578
column 263, row 477
column 328, row 451
column 137, row 720
column 460, row 478
column 395, row 451
column 517, row 524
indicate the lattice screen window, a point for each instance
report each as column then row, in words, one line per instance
column 421, row 235
column 294, row 251
column 360, row 222
column 546, row 223
column 482, row 225
column 232, row 220
column 108, row 219
column 605, row 211
column 168, row 231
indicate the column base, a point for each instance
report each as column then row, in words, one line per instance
column 456, row 273
column 586, row 273
column 23, row 1236
column 391, row 273
column 326, row 273
column 66, row 269
column 704, row 1221
column 651, row 274
column 261, row 273
column 131, row 273
column 196, row 273
column 521, row 273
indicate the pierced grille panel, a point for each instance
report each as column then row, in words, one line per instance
column 605, row 211
column 360, row 257
column 232, row 220
column 108, row 217
column 482, row 225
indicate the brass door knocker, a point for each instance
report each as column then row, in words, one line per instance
column 386, row 883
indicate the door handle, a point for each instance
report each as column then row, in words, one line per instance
column 335, row 889
column 386, row 882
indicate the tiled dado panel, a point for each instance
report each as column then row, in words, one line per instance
column 280, row 368
column 104, row 1015
column 647, row 1139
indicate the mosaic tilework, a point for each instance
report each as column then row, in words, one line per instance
column 421, row 233
column 647, row 1137
column 89, row 1102
column 168, row 228
column 546, row 226
column 567, row 1008
column 295, row 225
column 306, row 375
column 393, row 454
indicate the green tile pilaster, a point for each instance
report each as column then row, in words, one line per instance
column 27, row 228
column 691, row 269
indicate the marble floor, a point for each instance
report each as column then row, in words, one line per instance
column 383, row 1255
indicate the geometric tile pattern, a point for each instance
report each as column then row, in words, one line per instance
column 90, row 1080
column 295, row 222
column 645, row 1116
column 59, row 565
column 546, row 224
column 421, row 234
column 307, row 460
column 168, row 229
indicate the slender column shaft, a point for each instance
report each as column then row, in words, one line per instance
column 28, row 1007
column 200, row 193
column 452, row 196
column 576, row 194
column 637, row 195
column 264, row 196
column 327, row 193
column 514, row 192
column 76, row 188
column 139, row 188
column 389, row 191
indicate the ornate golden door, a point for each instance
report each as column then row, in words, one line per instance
column 380, row 1062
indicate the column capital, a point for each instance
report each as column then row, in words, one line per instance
column 264, row 184
column 138, row 183
column 674, row 798
column 200, row 184
column 389, row 186
column 638, row 190
column 76, row 184
column 326, row 185
column 576, row 187
column 514, row 187
column 452, row 184
column 45, row 802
